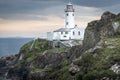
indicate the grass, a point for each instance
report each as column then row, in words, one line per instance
column 38, row 48
column 114, row 41
column 56, row 50
column 117, row 19
column 100, row 61
column 107, row 55
column 62, row 74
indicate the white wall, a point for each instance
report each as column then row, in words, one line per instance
column 70, row 20
column 50, row 36
column 58, row 36
column 65, row 36
column 76, row 35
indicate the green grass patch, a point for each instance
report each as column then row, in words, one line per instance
column 56, row 50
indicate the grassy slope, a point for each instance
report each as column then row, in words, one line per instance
column 92, row 65
column 39, row 47
column 95, row 65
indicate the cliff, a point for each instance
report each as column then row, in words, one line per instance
column 97, row 29
column 97, row 59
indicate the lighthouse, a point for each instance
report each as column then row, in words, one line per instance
column 69, row 17
column 70, row 31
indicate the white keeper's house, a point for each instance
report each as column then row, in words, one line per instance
column 70, row 32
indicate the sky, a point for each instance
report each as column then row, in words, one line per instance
column 34, row 18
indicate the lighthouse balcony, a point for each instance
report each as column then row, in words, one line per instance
column 69, row 10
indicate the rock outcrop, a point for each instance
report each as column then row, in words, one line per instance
column 98, row 29
column 6, row 63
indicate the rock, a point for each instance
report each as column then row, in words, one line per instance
column 116, row 26
column 2, row 62
column 74, row 69
column 118, row 30
column 96, row 30
column 118, row 23
column 19, row 72
column 51, row 60
column 116, row 68
column 6, row 63
column 38, row 76
column 107, row 16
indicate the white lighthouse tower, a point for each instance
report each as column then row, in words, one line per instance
column 69, row 20
column 70, row 32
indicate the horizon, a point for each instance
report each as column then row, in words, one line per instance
column 34, row 18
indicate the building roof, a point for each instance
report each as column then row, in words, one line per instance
column 69, row 3
column 64, row 30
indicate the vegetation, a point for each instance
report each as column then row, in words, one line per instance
column 97, row 64
column 56, row 50
column 62, row 74
column 117, row 19
column 94, row 65
column 34, row 48
column 39, row 47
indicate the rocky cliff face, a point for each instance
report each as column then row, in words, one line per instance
column 39, row 61
column 108, row 25
column 96, row 30
column 97, row 59
column 6, row 63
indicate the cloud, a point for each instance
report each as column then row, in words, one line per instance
column 10, row 9
column 84, row 15
column 79, row 10
column 30, row 28
column 113, row 8
column 47, row 22
column 36, row 17
column 96, row 3
column 1, row 19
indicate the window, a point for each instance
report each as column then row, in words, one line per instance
column 64, row 36
column 78, row 32
column 67, row 14
column 66, row 23
column 73, row 33
column 66, row 32
column 69, row 7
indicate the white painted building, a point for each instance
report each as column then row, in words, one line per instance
column 70, row 32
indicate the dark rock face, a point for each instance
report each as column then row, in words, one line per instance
column 118, row 31
column 97, row 29
column 19, row 73
column 7, row 63
column 4, row 61
column 108, row 16
column 51, row 60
